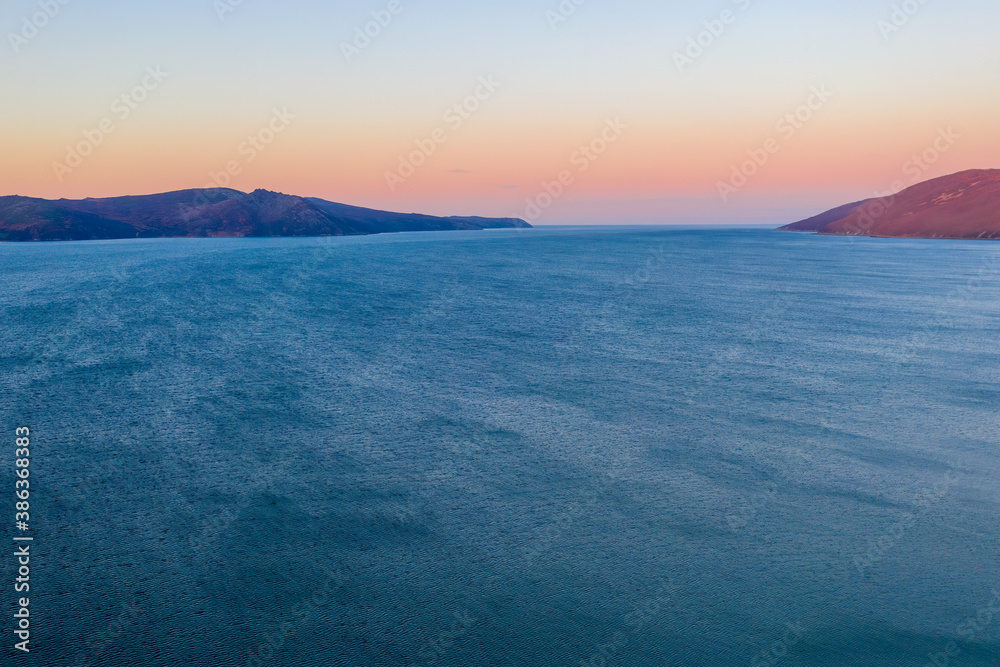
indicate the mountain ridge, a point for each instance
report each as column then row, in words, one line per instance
column 216, row 212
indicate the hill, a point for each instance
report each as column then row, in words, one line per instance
column 965, row 205
column 211, row 213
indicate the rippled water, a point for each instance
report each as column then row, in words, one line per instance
column 548, row 447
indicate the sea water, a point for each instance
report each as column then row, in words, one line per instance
column 581, row 446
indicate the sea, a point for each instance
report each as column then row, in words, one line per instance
column 663, row 446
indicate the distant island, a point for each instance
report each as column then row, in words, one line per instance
column 218, row 212
column 965, row 205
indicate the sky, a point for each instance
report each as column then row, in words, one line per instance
column 558, row 111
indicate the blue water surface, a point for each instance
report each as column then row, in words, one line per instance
column 582, row 446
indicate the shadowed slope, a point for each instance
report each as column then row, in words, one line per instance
column 205, row 213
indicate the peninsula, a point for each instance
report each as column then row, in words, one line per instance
column 965, row 205
column 218, row 212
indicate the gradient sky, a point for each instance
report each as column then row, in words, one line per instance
column 686, row 130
